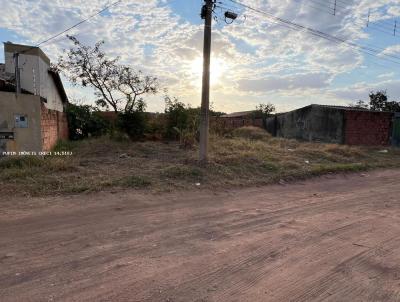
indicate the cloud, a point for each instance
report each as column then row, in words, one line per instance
column 262, row 58
column 292, row 82
column 392, row 50
column 360, row 91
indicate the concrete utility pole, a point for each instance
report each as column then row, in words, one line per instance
column 206, row 14
column 17, row 74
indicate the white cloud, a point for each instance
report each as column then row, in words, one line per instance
column 263, row 59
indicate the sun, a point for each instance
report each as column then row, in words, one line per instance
column 217, row 70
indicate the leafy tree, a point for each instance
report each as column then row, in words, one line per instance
column 392, row 106
column 182, row 121
column 133, row 123
column 378, row 100
column 360, row 104
column 177, row 116
column 116, row 85
column 264, row 110
column 85, row 121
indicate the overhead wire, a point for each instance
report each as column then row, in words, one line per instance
column 372, row 51
column 377, row 49
column 74, row 26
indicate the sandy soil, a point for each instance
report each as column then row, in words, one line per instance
column 330, row 239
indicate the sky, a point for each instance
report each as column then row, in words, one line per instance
column 254, row 60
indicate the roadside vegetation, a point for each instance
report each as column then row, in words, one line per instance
column 128, row 147
column 247, row 157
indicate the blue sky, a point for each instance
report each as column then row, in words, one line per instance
column 254, row 59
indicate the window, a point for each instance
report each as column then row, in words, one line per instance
column 21, row 121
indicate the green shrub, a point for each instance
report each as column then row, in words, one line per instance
column 182, row 122
column 85, row 121
column 133, row 124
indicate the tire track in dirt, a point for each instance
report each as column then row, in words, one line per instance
column 321, row 240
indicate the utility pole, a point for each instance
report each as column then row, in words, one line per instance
column 17, row 74
column 206, row 14
column 334, row 9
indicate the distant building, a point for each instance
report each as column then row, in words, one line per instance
column 240, row 115
column 34, row 119
column 239, row 119
column 337, row 124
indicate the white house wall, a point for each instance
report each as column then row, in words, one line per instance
column 35, row 78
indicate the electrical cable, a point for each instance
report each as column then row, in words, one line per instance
column 73, row 26
column 295, row 26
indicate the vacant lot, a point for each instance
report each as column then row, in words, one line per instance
column 249, row 158
column 334, row 239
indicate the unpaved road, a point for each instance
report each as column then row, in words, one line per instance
column 330, row 239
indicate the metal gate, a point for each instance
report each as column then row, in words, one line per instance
column 4, row 138
column 396, row 130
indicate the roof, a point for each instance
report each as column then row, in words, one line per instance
column 347, row 108
column 238, row 114
column 8, row 86
column 25, row 49
column 60, row 87
column 337, row 107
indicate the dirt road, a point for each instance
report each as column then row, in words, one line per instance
column 331, row 239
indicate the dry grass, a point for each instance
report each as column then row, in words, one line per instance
column 250, row 157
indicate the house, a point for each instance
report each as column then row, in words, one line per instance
column 32, row 101
column 336, row 124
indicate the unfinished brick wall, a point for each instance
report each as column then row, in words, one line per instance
column 228, row 123
column 367, row 128
column 54, row 126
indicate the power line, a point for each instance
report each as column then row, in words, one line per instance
column 73, row 26
column 372, row 48
column 372, row 25
column 340, row 10
column 295, row 26
column 79, row 23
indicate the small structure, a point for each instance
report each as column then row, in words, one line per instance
column 32, row 101
column 239, row 119
column 334, row 124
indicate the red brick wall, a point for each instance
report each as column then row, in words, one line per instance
column 228, row 123
column 54, row 126
column 367, row 128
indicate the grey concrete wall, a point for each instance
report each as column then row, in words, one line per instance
column 25, row 139
column 311, row 123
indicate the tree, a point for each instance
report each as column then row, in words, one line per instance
column 379, row 102
column 134, row 85
column 115, row 85
column 177, row 116
column 392, row 106
column 84, row 121
column 264, row 110
column 360, row 104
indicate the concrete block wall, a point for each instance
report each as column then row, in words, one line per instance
column 54, row 126
column 367, row 128
column 25, row 139
column 311, row 123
